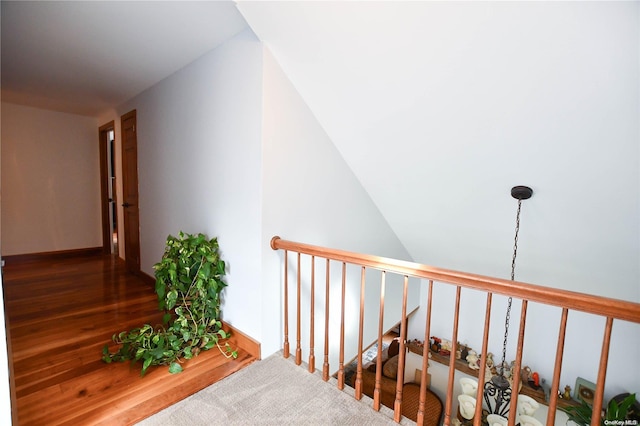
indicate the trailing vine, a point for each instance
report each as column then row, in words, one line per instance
column 189, row 280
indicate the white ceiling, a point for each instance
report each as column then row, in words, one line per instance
column 85, row 57
column 439, row 108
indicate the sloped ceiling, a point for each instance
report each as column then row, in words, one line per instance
column 85, row 57
column 441, row 107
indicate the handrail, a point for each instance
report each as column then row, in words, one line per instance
column 607, row 307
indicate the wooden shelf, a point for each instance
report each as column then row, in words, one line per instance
column 462, row 366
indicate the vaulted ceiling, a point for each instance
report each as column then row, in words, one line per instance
column 439, row 108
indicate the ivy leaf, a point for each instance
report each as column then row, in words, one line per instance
column 172, row 297
column 146, row 364
column 160, row 288
column 175, row 368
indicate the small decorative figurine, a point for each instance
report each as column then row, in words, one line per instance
column 512, row 369
column 567, row 392
column 464, row 351
column 535, row 380
column 472, row 359
column 525, row 374
column 489, row 362
column 435, row 343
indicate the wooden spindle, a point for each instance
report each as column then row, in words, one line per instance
column 452, row 361
column 298, row 348
column 425, row 360
column 477, row 417
column 557, row 369
column 516, row 373
column 378, row 383
column 312, row 356
column 397, row 406
column 602, row 373
column 342, row 302
column 325, row 364
column 285, row 348
column 358, row 384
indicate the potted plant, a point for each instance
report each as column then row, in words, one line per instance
column 189, row 280
column 618, row 410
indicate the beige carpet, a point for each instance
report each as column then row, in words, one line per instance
column 273, row 391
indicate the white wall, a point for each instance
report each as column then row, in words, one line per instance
column 199, row 166
column 310, row 195
column 50, row 181
column 439, row 108
column 205, row 166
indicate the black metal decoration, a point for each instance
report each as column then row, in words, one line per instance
column 497, row 391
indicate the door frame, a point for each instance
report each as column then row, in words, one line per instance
column 103, row 143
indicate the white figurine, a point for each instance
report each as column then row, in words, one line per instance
column 445, row 345
column 472, row 359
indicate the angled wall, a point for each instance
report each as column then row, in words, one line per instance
column 309, row 194
column 439, row 108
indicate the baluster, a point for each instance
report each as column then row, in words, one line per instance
column 425, row 359
column 452, row 360
column 298, row 349
column 312, row 356
column 515, row 384
column 285, row 349
column 397, row 406
column 477, row 417
column 325, row 364
column 341, row 360
column 602, row 372
column 376, row 389
column 555, row 384
column 358, row 387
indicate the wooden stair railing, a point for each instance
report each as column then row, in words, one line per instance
column 567, row 300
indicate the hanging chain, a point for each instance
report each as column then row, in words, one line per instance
column 513, row 273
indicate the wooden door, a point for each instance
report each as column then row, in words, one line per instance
column 130, row 192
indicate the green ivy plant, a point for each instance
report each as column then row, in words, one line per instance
column 189, row 280
column 581, row 414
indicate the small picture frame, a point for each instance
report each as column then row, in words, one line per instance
column 584, row 391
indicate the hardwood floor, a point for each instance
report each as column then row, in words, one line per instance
column 60, row 313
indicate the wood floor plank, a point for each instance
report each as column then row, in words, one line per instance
column 60, row 314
